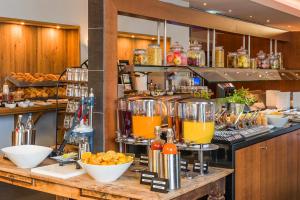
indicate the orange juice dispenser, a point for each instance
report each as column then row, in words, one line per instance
column 146, row 114
column 197, row 120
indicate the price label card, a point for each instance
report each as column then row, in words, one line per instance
column 184, row 165
column 197, row 167
column 160, row 185
column 144, row 160
column 146, row 177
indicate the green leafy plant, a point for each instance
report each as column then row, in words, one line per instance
column 242, row 96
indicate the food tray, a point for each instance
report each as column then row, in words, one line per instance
column 23, row 84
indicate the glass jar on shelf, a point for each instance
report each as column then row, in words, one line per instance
column 253, row 63
column 84, row 74
column 243, row 58
column 274, row 61
column 196, row 55
column 262, row 60
column 219, row 57
column 139, row 57
column 176, row 55
column 154, row 55
column 232, row 60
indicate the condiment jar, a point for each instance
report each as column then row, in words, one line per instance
column 176, row 56
column 196, row 55
column 139, row 57
column 232, row 60
column 154, row 54
column 262, row 60
column 219, row 57
column 274, row 61
column 243, row 58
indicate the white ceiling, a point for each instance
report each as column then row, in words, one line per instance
column 282, row 14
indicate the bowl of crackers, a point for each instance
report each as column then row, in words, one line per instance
column 107, row 166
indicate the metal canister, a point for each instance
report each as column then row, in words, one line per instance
column 17, row 138
column 29, row 137
column 154, row 160
column 170, row 169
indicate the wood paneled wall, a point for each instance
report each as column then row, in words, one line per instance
column 33, row 49
column 127, row 45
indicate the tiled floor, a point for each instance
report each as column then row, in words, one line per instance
column 8, row 192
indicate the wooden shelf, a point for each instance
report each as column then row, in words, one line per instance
column 33, row 109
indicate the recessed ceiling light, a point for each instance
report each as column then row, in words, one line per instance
column 132, row 36
column 251, row 16
column 22, row 23
column 230, row 10
column 205, row 4
column 58, row 27
column 153, row 38
column 268, row 20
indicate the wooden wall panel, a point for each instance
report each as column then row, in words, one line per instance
column 127, row 45
column 37, row 49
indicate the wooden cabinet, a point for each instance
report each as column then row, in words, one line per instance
column 269, row 170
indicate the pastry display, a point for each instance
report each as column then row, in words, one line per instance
column 34, row 78
column 44, row 92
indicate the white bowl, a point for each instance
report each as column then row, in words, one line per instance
column 10, row 105
column 277, row 120
column 105, row 173
column 27, row 156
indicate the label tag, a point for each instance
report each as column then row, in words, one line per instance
column 144, row 160
column 184, row 165
column 160, row 185
column 197, row 166
column 146, row 177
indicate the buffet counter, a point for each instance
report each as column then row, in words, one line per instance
column 127, row 187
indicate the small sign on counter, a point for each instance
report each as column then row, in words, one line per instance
column 197, row 167
column 147, row 177
column 184, row 165
column 144, row 160
column 160, row 185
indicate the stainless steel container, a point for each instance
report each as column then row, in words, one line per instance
column 170, row 169
column 17, row 138
column 154, row 160
column 29, row 137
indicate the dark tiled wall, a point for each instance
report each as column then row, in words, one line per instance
column 95, row 48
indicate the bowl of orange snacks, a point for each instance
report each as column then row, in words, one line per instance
column 105, row 167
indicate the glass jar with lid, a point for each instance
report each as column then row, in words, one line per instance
column 243, row 58
column 196, row 55
column 219, row 57
column 197, row 119
column 154, row 54
column 274, row 61
column 262, row 60
column 176, row 55
column 146, row 114
column 139, row 57
column 232, row 60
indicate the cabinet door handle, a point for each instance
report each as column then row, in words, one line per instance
column 264, row 148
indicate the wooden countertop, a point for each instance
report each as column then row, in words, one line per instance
column 33, row 109
column 127, row 187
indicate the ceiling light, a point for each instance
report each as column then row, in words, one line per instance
column 58, row 27
column 132, row 36
column 22, row 23
column 268, row 20
column 251, row 16
column 153, row 38
column 230, row 10
column 205, row 4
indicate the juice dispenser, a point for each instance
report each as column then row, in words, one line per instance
column 124, row 118
column 146, row 114
column 197, row 120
